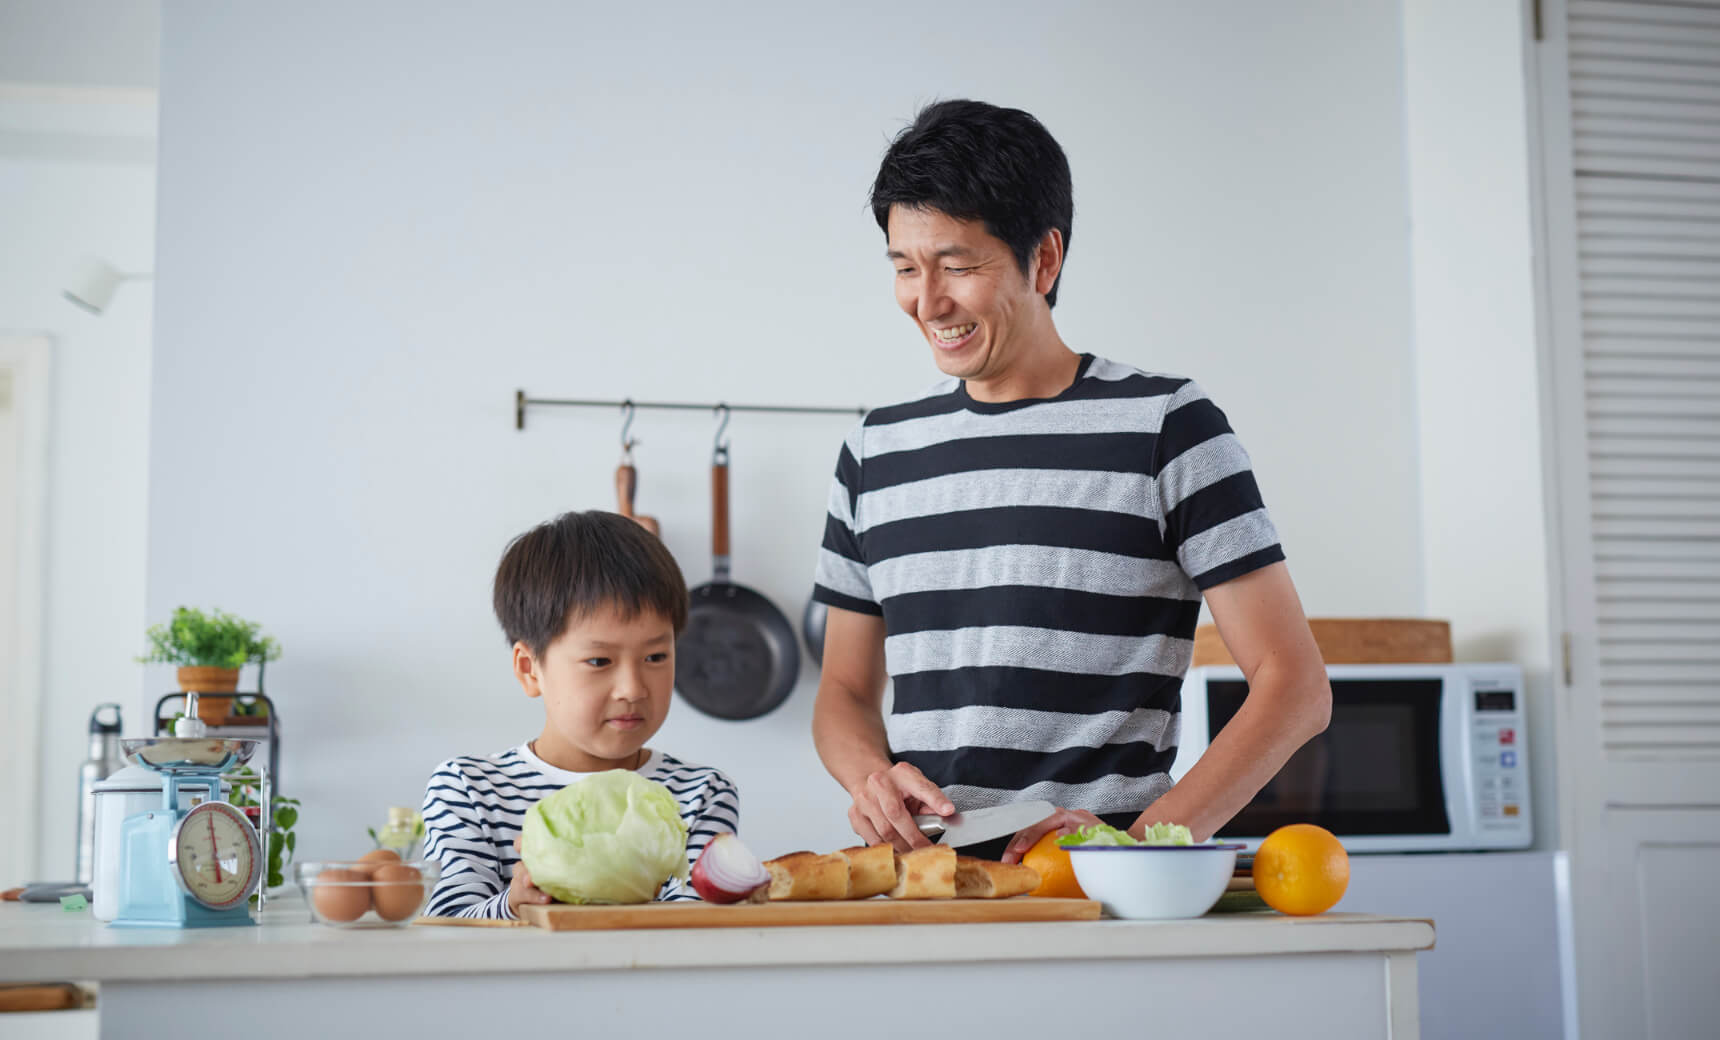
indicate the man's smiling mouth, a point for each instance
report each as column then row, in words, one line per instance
column 954, row 334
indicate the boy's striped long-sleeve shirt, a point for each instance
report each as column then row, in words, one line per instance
column 474, row 806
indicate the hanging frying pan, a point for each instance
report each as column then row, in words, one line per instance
column 626, row 482
column 737, row 658
column 812, row 629
column 627, row 477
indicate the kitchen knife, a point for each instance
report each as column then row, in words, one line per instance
column 971, row 828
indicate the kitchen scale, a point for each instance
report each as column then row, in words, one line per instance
column 188, row 868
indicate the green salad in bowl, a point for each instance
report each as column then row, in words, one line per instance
column 1103, row 834
column 1161, row 875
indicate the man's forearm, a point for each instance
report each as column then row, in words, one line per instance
column 1285, row 707
column 849, row 734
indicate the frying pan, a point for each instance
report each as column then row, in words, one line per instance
column 812, row 629
column 737, row 658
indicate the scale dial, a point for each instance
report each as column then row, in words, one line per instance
column 216, row 856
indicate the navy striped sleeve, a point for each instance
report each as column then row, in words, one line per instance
column 471, row 883
column 1211, row 512
column 841, row 579
column 715, row 810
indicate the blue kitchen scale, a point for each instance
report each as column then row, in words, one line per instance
column 188, row 868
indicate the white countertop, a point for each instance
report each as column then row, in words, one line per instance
column 41, row 942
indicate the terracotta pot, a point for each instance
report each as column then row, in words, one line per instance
column 206, row 679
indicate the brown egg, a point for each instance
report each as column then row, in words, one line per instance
column 399, row 890
column 338, row 896
column 368, row 862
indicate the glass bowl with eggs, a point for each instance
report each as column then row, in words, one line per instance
column 378, row 890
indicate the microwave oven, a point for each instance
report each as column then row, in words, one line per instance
column 1416, row 758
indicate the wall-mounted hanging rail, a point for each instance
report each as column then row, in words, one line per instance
column 521, row 401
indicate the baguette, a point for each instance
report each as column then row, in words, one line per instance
column 808, row 876
column 928, row 873
column 871, row 870
column 989, row 879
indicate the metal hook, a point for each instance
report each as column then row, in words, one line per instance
column 720, row 447
column 626, row 425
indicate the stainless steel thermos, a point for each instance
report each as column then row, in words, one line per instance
column 103, row 761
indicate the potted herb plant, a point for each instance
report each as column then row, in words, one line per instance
column 209, row 650
column 279, row 839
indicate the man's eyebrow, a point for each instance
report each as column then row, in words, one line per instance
column 942, row 251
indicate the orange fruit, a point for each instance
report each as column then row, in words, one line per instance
column 1056, row 873
column 1301, row 869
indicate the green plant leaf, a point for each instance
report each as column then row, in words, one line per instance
column 217, row 639
column 286, row 816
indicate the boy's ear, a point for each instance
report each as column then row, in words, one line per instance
column 525, row 670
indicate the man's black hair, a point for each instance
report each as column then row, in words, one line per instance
column 580, row 563
column 975, row 161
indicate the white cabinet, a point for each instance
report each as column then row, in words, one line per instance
column 1501, row 950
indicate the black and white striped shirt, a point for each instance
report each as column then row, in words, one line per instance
column 1038, row 566
column 474, row 806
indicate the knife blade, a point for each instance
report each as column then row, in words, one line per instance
column 971, row 828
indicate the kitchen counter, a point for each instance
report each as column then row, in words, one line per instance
column 1342, row 974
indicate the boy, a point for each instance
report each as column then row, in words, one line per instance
column 592, row 604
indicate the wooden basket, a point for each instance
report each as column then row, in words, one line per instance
column 1353, row 641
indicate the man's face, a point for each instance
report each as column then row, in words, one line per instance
column 964, row 289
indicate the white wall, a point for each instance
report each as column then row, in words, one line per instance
column 1477, row 369
column 80, row 43
column 379, row 220
column 77, row 176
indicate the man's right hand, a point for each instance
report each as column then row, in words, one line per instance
column 886, row 803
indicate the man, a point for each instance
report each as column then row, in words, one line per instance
column 1023, row 550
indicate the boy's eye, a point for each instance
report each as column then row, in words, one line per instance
column 597, row 662
column 658, row 658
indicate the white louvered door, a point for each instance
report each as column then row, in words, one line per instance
column 1630, row 113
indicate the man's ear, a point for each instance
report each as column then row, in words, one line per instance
column 1047, row 261
column 526, row 671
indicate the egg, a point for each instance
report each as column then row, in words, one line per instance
column 340, row 895
column 399, row 891
column 368, row 862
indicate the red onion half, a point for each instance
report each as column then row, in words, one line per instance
column 728, row 872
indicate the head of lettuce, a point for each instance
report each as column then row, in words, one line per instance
column 613, row 837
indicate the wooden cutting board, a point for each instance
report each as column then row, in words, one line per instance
column 560, row 917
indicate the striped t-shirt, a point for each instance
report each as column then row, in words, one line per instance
column 1038, row 566
column 474, row 805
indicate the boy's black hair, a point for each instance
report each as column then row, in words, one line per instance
column 578, row 563
column 975, row 161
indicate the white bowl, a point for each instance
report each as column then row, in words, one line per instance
column 1154, row 882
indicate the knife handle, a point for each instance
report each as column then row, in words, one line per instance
column 931, row 826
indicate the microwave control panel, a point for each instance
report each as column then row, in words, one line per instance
column 1501, row 767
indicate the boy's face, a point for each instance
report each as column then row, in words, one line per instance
column 605, row 684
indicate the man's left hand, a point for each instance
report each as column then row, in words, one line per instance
column 1062, row 821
